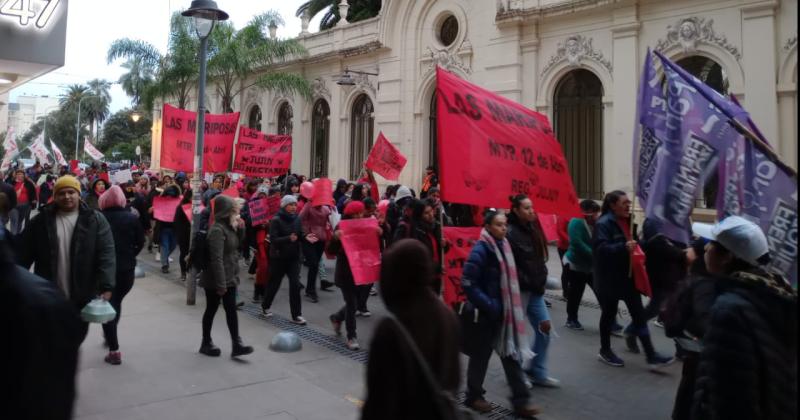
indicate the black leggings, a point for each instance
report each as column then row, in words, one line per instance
column 609, row 299
column 123, row 286
column 229, row 303
column 182, row 258
column 576, row 285
column 347, row 314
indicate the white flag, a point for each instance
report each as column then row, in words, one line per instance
column 11, row 149
column 40, row 150
column 91, row 150
column 58, row 154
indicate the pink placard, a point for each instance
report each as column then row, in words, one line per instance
column 360, row 241
column 164, row 208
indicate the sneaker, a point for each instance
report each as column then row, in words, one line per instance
column 616, row 330
column 547, row 382
column 365, row 314
column 657, row 361
column 574, row 325
column 183, row 276
column 326, row 286
column 658, row 323
column 165, row 269
column 528, row 412
column 631, row 344
column 266, row 312
column 299, row 320
column 239, row 303
column 171, row 260
column 352, row 344
column 337, row 325
column 480, row 405
column 114, row 358
column 608, row 357
column 312, row 298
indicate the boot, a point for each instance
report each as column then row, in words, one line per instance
column 209, row 349
column 239, row 349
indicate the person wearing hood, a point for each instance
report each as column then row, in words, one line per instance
column 128, row 242
column 221, row 278
column 394, row 377
column 95, row 191
column 341, row 189
column 167, row 242
column 748, row 361
column 529, row 246
column 285, row 233
column 493, row 319
column 399, row 208
column 344, row 280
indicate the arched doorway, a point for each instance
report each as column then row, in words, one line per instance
column 433, row 135
column 362, row 123
column 320, row 136
column 285, row 115
column 711, row 73
column 254, row 118
column 578, row 125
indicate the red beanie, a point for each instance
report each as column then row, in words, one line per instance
column 353, row 207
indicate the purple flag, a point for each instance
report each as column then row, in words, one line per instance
column 649, row 130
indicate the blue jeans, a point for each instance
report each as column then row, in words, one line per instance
column 167, row 245
column 537, row 313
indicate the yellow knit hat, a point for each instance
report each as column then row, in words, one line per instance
column 67, row 181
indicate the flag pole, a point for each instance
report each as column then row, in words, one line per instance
column 761, row 146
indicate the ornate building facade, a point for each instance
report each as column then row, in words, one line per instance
column 577, row 61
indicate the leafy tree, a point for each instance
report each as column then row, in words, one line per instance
column 120, row 128
column 127, row 151
column 236, row 55
column 359, row 10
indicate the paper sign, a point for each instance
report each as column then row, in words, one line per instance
column 385, row 159
column 262, row 155
column 461, row 241
column 123, row 176
column 178, row 139
column 323, row 193
column 164, row 208
column 491, row 148
column 360, row 241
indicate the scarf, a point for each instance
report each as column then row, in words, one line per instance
column 513, row 338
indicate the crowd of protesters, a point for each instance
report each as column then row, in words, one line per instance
column 733, row 320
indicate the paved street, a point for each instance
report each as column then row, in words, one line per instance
column 163, row 376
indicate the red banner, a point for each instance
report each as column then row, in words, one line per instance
column 360, row 241
column 491, row 148
column 262, row 155
column 549, row 226
column 385, row 159
column 323, row 193
column 187, row 210
column 231, row 192
column 178, row 138
column 264, row 209
column 164, row 208
column 461, row 241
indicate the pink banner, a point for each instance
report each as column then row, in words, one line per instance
column 164, row 208
column 360, row 241
column 385, row 159
column 187, row 210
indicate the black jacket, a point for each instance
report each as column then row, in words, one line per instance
column 611, row 258
column 748, row 366
column 666, row 262
column 530, row 254
column 45, row 331
column 343, row 275
column 280, row 228
column 182, row 227
column 92, row 253
column 128, row 237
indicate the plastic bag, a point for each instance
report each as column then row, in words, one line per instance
column 98, row 311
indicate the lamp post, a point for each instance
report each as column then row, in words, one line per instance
column 78, row 123
column 204, row 14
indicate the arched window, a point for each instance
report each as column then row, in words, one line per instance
column 578, row 124
column 712, row 74
column 433, row 135
column 320, row 136
column 285, row 119
column 254, row 118
column 362, row 123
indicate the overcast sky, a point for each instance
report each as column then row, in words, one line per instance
column 93, row 25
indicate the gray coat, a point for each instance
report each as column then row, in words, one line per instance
column 223, row 248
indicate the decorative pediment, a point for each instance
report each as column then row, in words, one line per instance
column 574, row 50
column 320, row 89
column 689, row 32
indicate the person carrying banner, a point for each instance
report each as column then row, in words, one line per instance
column 285, row 232
column 578, row 260
column 748, row 363
column 261, row 231
column 128, row 242
column 494, row 319
column 612, row 247
column 221, row 278
column 529, row 246
column 93, row 196
column 314, row 220
column 166, row 233
column 343, row 277
column 26, row 201
column 430, row 180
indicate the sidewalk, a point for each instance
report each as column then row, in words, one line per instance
column 163, row 376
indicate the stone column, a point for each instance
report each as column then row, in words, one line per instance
column 759, row 61
column 530, row 72
column 618, row 149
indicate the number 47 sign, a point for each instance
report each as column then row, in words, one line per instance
column 25, row 10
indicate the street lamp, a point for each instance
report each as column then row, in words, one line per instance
column 346, row 79
column 78, row 123
column 204, row 14
column 136, row 116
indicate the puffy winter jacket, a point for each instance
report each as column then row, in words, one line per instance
column 611, row 258
column 280, row 229
column 480, row 280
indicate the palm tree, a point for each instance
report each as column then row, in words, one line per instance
column 236, row 55
column 174, row 72
column 97, row 106
column 138, row 78
column 75, row 93
column 359, row 10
